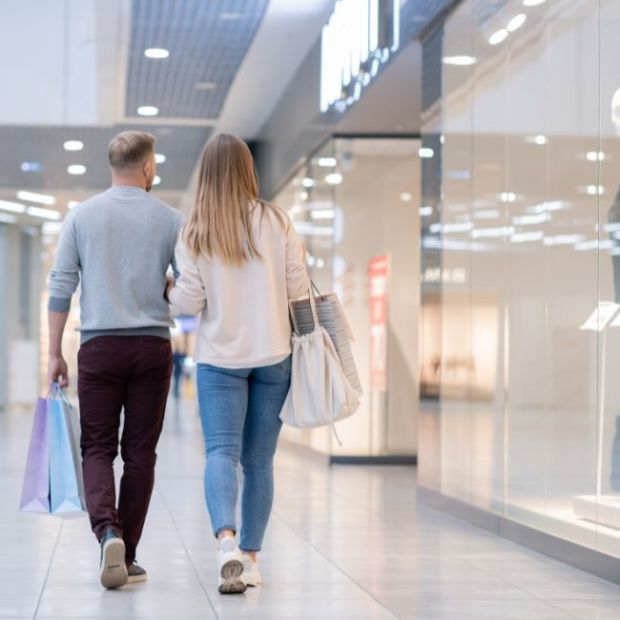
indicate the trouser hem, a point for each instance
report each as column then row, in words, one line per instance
column 219, row 530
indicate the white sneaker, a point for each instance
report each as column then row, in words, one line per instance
column 230, row 567
column 251, row 573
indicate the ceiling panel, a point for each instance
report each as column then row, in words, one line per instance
column 44, row 146
column 207, row 43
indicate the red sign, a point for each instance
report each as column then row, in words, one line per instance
column 378, row 271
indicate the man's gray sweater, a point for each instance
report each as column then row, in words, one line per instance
column 119, row 244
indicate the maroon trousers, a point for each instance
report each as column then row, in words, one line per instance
column 116, row 372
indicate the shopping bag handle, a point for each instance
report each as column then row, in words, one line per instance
column 55, row 391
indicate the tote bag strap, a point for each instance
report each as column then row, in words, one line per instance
column 315, row 315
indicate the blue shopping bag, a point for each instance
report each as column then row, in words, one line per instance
column 66, row 486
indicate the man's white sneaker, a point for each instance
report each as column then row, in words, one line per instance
column 230, row 567
column 112, row 567
column 251, row 573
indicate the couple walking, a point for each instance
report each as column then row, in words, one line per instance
column 237, row 263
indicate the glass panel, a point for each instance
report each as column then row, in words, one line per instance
column 356, row 203
column 530, row 112
column 457, row 365
column 608, row 154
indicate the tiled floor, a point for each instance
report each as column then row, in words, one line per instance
column 347, row 542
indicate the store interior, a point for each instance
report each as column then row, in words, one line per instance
column 525, row 312
column 356, row 204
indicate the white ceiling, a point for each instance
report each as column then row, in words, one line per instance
column 289, row 30
column 51, row 73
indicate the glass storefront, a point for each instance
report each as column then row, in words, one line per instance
column 527, row 224
column 356, row 204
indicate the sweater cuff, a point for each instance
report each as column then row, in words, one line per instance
column 59, row 304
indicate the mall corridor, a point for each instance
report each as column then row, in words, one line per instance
column 444, row 175
column 344, row 542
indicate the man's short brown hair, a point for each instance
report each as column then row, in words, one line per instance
column 130, row 148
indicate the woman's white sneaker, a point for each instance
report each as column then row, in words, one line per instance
column 230, row 567
column 251, row 573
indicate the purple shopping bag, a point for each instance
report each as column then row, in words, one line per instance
column 36, row 488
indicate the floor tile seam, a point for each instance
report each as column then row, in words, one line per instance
column 49, row 569
column 330, row 561
column 189, row 556
column 529, row 593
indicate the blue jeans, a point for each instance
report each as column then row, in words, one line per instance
column 240, row 412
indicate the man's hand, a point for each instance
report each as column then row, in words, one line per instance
column 58, row 372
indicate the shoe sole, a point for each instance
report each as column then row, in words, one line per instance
column 231, row 574
column 136, row 579
column 113, row 572
column 251, row 582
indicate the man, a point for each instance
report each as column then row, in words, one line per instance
column 120, row 244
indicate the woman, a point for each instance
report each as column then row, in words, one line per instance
column 240, row 262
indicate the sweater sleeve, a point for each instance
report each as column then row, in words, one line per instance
column 189, row 295
column 65, row 275
column 297, row 280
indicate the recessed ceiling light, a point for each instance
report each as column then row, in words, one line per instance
column 148, row 110
column 322, row 214
column 157, row 180
column 595, row 190
column 326, row 162
column 231, row 16
column 426, row 210
column 426, row 152
column 487, row 214
column 595, row 156
column 205, row 86
column 156, row 52
column 497, row 37
column 160, row 158
column 52, row 228
column 73, row 145
column 508, row 197
column 335, row 178
column 46, row 214
column 304, row 195
column 533, row 2
column 31, row 166
column 76, row 169
column 308, row 182
column 516, row 22
column 459, row 61
column 43, row 199
column 13, row 207
column 406, row 197
column 539, row 139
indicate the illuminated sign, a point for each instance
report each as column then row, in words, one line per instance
column 359, row 37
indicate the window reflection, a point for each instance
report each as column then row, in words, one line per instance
column 529, row 209
column 356, row 203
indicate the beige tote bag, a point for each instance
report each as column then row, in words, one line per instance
column 320, row 392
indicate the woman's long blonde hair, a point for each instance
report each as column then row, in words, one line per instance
column 220, row 222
